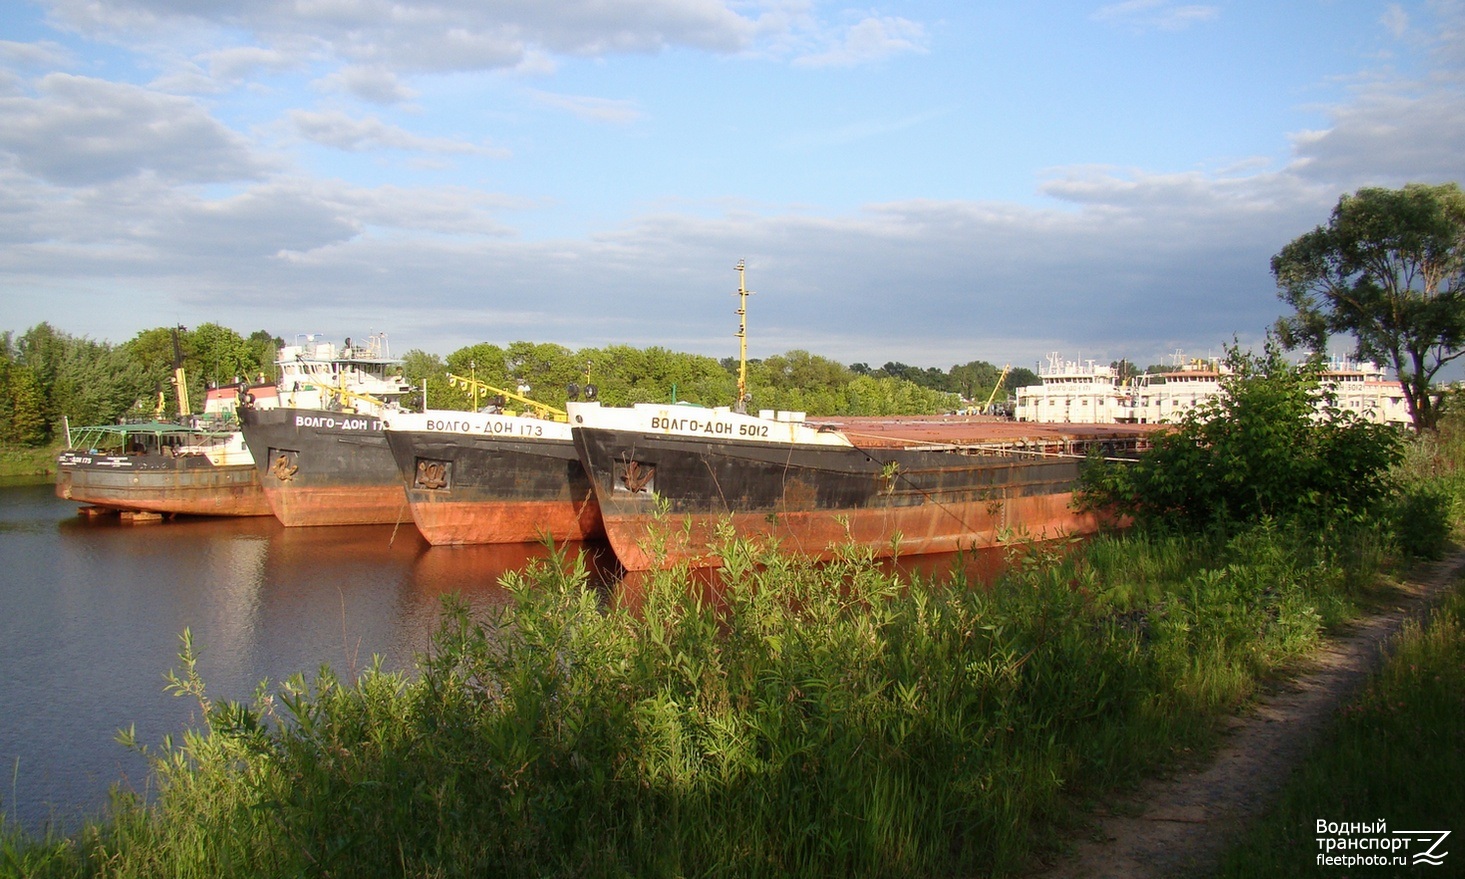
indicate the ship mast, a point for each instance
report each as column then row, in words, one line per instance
column 742, row 334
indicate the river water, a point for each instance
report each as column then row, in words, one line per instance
column 91, row 612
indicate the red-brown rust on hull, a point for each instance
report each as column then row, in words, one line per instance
column 446, row 522
column 645, row 542
column 305, row 506
column 224, row 492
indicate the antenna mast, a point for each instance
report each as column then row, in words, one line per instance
column 742, row 334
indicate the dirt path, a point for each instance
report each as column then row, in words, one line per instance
column 1179, row 825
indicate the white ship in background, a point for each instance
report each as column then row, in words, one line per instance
column 1075, row 392
column 1087, row 392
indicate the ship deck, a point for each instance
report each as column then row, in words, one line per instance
column 978, row 432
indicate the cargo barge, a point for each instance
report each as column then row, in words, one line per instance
column 480, row 477
column 670, row 480
column 322, row 456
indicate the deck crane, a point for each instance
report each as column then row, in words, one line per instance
column 987, row 406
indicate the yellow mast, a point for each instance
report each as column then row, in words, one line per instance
column 742, row 334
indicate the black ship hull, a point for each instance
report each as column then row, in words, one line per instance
column 318, row 467
column 667, row 499
column 469, row 488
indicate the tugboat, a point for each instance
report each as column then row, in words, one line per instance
column 153, row 469
column 160, row 468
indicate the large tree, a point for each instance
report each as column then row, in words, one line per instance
column 1388, row 269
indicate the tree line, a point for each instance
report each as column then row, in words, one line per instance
column 48, row 376
column 621, row 375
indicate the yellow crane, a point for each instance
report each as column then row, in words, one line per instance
column 987, row 406
column 179, row 381
column 478, row 388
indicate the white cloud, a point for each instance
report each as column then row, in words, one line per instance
column 240, row 62
column 1136, row 265
column 1449, row 33
column 373, row 84
column 591, row 109
column 106, row 185
column 1395, row 20
column 1149, row 15
column 871, row 39
column 435, row 35
column 1388, row 135
column 338, row 130
column 859, row 131
column 81, row 131
column 42, row 55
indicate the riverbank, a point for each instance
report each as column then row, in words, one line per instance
column 24, row 466
column 810, row 720
column 799, row 719
column 1366, row 723
column 1394, row 751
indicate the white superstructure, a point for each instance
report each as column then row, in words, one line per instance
column 1363, row 388
column 1074, row 392
column 1165, row 397
column 1089, row 393
column 315, row 374
column 720, row 423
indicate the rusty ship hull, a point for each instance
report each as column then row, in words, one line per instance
column 466, row 488
column 321, row 467
column 159, row 483
column 920, row 486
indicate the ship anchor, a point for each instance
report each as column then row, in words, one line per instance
column 283, row 470
column 432, row 474
column 635, row 477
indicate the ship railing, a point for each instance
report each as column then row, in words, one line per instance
column 1109, row 449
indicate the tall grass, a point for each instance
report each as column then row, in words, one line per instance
column 806, row 720
column 1394, row 753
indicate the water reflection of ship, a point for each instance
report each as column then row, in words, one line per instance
column 978, row 568
column 442, row 570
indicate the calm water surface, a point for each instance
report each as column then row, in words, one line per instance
column 91, row 612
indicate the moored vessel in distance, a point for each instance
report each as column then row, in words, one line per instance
column 322, row 456
column 670, row 478
column 482, row 477
column 160, row 468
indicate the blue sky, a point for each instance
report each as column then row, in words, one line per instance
column 929, row 182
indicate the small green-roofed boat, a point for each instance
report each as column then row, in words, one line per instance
column 160, row 467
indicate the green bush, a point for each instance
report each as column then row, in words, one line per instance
column 1420, row 519
column 1261, row 449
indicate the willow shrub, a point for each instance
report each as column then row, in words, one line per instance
column 1270, row 445
column 800, row 720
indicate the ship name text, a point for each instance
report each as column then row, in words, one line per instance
column 712, row 426
column 330, row 422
